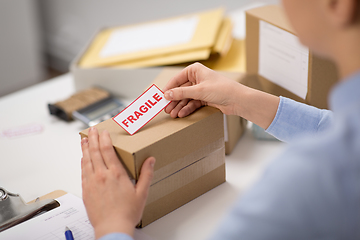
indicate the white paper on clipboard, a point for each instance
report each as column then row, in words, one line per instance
column 51, row 225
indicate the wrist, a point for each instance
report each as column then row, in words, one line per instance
column 241, row 96
column 256, row 106
column 114, row 227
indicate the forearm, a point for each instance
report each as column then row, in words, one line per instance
column 285, row 119
column 255, row 106
column 294, row 119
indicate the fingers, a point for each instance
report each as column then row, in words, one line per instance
column 86, row 164
column 188, row 74
column 171, row 106
column 94, row 149
column 180, row 93
column 146, row 175
column 182, row 108
column 169, row 94
column 108, row 153
column 174, row 112
column 189, row 108
column 179, row 79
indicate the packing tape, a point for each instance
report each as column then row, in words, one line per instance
column 181, row 163
column 186, row 175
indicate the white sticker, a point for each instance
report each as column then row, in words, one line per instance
column 283, row 59
column 150, row 36
column 142, row 110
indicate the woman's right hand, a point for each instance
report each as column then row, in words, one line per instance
column 196, row 86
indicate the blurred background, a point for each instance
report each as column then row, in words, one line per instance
column 39, row 38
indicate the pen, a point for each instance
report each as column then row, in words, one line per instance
column 68, row 234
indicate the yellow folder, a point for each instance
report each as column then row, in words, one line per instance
column 224, row 38
column 204, row 37
column 221, row 47
column 169, row 59
column 233, row 61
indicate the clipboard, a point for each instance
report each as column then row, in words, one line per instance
column 13, row 209
column 50, row 225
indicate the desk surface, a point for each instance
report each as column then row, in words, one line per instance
column 36, row 164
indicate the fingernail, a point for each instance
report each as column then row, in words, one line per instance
column 91, row 129
column 84, row 140
column 169, row 95
column 152, row 162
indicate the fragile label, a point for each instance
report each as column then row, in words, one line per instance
column 142, row 110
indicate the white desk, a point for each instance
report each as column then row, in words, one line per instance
column 33, row 165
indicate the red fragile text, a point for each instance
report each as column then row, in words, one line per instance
column 142, row 110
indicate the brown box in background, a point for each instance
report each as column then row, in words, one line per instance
column 189, row 152
column 234, row 128
column 322, row 74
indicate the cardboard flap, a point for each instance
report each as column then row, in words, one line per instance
column 273, row 14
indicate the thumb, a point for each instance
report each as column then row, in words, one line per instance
column 146, row 175
column 181, row 93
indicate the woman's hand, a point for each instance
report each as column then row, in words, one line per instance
column 112, row 202
column 198, row 85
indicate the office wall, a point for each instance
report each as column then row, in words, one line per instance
column 69, row 24
column 20, row 45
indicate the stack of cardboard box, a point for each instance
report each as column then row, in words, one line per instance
column 189, row 152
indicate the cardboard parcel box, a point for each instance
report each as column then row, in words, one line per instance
column 280, row 64
column 189, row 152
column 128, row 84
